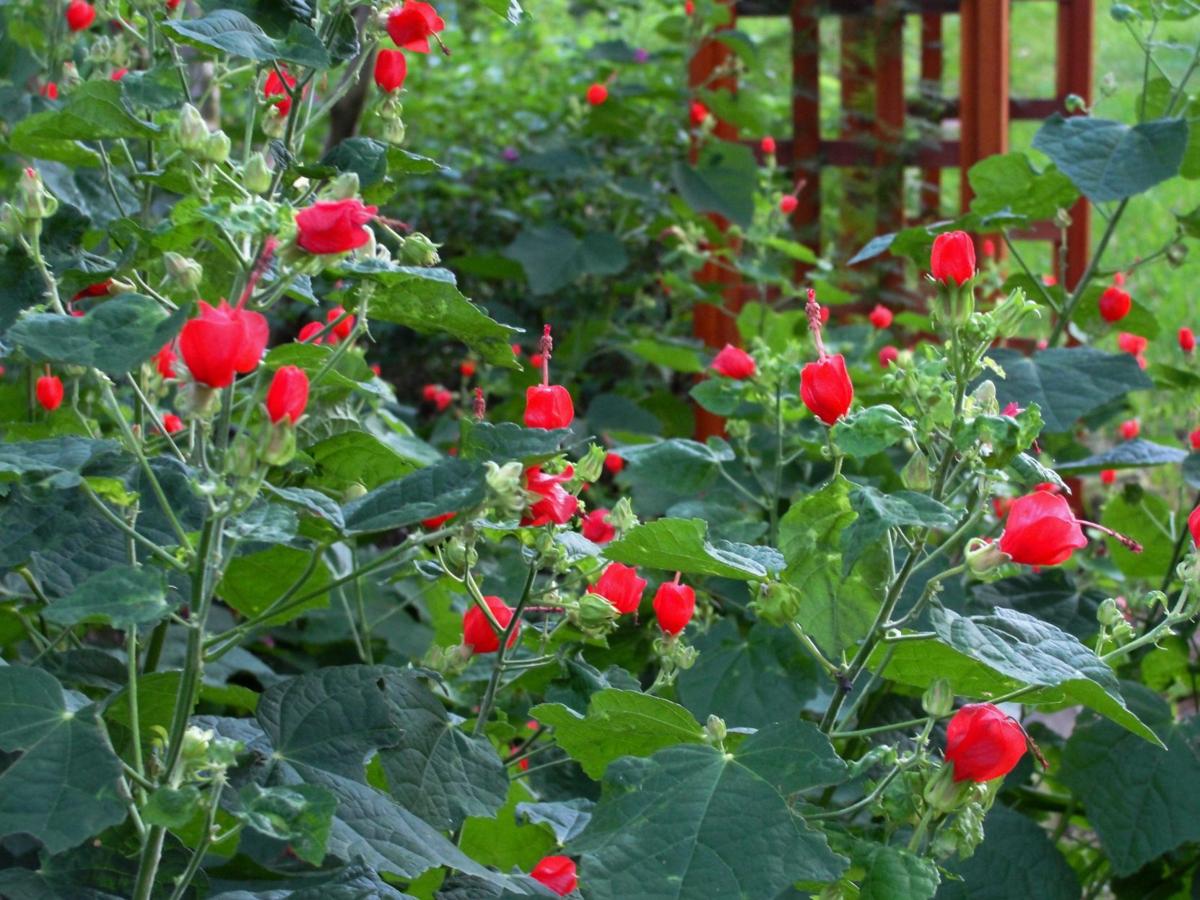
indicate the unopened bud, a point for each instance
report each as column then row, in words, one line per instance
column 777, row 603
column 715, row 730
column 622, row 516
column 938, row 699
column 181, row 271
column 394, row 130
column 191, row 131
column 505, row 489
column 256, row 175
column 344, row 187
column 945, row 794
column 594, row 614
column 591, row 466
column 33, row 201
column 418, row 250
column 984, row 555
column 916, row 475
column 216, row 147
column 280, row 448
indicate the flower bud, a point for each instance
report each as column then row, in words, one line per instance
column 281, row 444
column 184, row 272
column 1012, row 312
column 216, row 147
column 394, row 130
column 594, row 614
column 191, row 131
column 33, row 201
column 777, row 603
column 715, row 730
column 506, row 490
column 943, row 792
column 256, row 175
column 622, row 516
column 984, row 555
column 460, row 555
column 590, row 467
column 418, row 250
column 344, row 187
column 916, row 475
column 938, row 699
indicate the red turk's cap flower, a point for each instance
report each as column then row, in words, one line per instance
column 556, row 873
column 477, row 630
column 536, row 360
column 342, row 329
column 596, row 527
column 1041, row 530
column 983, row 743
column 412, row 25
column 621, row 587
column 1194, row 439
column 1130, row 429
column 173, row 4
column 80, row 14
column 288, row 395
column 1194, row 525
column 437, row 521
column 442, row 398
column 221, row 341
column 391, row 68
column 768, row 145
column 555, row 503
column 118, row 74
column 334, row 226
column 1132, row 343
column 1108, row 476
column 1114, row 304
column 614, row 464
column 788, row 204
column 953, row 258
column 466, row 368
column 697, row 113
column 597, row 94
column 880, row 317
column 888, row 355
column 49, row 90
column 674, row 605
column 274, row 86
column 308, row 334
column 516, row 349
column 689, row 7
column 164, row 360
column 49, row 392
column 1187, row 339
column 172, row 424
column 989, row 248
column 826, row 389
column 548, row 406
column 733, row 362
column 99, row 289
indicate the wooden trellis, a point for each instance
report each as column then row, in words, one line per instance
column 877, row 105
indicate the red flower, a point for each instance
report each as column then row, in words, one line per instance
column 49, row 90
column 1114, row 304
column 621, row 587
column 888, row 355
column 99, row 289
column 437, row 521
column 697, row 113
column 222, row 341
column 1041, row 530
column 442, row 398
column 989, row 248
column 825, row 388
column 1108, row 476
column 275, row 87
column 288, row 394
column 556, row 873
column 735, row 363
column 614, row 464
column 173, row 4
column 80, row 14
column 1132, row 343
column 477, row 630
column 596, row 527
column 983, row 743
column 1194, row 439
column 953, row 258
column 1193, row 523
column 597, row 94
column 410, row 26
column 880, row 317
column 334, row 226
column 536, row 360
column 555, row 503
column 674, row 605
column 165, row 359
column 118, row 74
column 767, row 145
column 342, row 329
column 50, row 392
column 1001, row 506
column 1187, row 339
column 466, row 368
column 1130, row 429
column 689, row 7
column 788, row 204
column 548, row 406
column 172, row 424
column 308, row 334
column 391, row 68
column 516, row 349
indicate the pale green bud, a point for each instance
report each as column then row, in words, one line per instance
column 418, row 250
column 344, row 187
column 181, row 271
column 191, row 131
column 938, row 699
column 256, row 175
column 216, row 147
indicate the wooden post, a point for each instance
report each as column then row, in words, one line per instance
column 932, row 62
column 890, row 104
column 806, row 123
column 1075, row 73
column 984, row 92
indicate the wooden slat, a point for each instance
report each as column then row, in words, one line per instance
column 1075, row 73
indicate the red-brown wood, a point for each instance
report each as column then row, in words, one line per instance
column 983, row 96
column 932, row 64
column 1075, row 73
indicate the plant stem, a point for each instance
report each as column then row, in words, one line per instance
column 131, row 653
column 1077, row 293
column 489, row 696
column 814, row 650
column 202, row 845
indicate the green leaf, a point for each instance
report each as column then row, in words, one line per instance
column 722, row 396
column 253, row 581
column 65, row 786
column 666, row 470
column 503, row 840
column 509, row 9
column 301, row 815
column 835, row 610
column 116, row 336
column 23, row 285
column 670, row 355
column 171, row 807
column 1147, row 519
column 94, row 110
column 723, row 182
column 428, row 301
column 1109, row 160
column 59, row 462
column 1136, row 454
column 984, row 656
column 750, row 680
column 503, row 442
column 896, row 874
column 356, row 457
column 877, row 512
column 228, row 31
column 1142, row 801
column 450, row 486
column 1016, row 859
column 680, row 545
column 1139, row 320
column 1050, row 594
column 554, row 257
column 365, row 157
column 1008, row 185
column 871, row 430
column 1066, row 382
column 121, row 596
column 667, row 826
column 566, row 818
column 618, row 723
